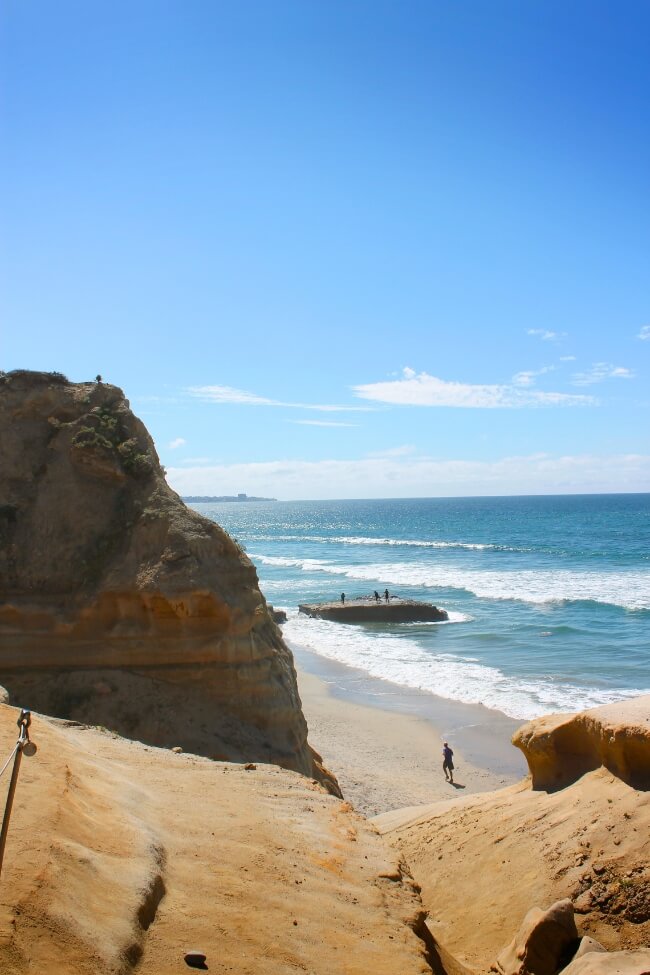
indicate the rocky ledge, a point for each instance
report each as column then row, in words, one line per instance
column 367, row 609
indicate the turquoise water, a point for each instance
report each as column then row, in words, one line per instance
column 549, row 597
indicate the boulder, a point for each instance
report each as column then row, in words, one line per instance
column 610, row 963
column 543, row 943
column 588, row 945
column 559, row 748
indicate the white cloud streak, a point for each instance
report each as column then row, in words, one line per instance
column 401, row 477
column 601, row 371
column 546, row 335
column 528, row 376
column 644, row 334
column 426, row 390
column 175, row 444
column 228, row 394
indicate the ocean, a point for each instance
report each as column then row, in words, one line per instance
column 548, row 597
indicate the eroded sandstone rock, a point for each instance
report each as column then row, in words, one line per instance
column 559, row 748
column 611, row 963
column 587, row 945
column 545, row 940
column 122, row 858
column 120, row 606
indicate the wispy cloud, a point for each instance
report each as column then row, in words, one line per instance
column 546, row 335
column 567, row 358
column 644, row 334
column 528, row 376
column 322, row 423
column 399, row 477
column 601, row 371
column 228, row 394
column 175, row 444
column 426, row 390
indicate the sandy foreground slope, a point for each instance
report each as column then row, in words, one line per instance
column 122, row 855
column 485, row 860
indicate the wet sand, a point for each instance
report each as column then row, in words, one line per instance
column 384, row 742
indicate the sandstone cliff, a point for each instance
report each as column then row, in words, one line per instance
column 118, row 605
column 484, row 861
column 123, row 858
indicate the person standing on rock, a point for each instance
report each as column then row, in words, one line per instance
column 448, row 762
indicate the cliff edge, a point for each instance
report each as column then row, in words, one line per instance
column 121, row 607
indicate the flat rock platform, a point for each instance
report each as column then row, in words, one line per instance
column 367, row 609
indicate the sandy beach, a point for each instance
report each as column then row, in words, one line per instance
column 384, row 742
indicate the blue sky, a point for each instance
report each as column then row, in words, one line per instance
column 341, row 248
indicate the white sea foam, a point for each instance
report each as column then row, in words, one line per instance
column 629, row 590
column 415, row 543
column 308, row 565
column 389, row 542
column 454, row 617
column 403, row 661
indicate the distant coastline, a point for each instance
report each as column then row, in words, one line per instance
column 200, row 499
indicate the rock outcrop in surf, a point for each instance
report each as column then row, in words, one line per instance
column 121, row 607
column 370, row 610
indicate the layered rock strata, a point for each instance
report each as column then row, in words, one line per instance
column 120, row 606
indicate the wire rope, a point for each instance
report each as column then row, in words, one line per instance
column 6, row 764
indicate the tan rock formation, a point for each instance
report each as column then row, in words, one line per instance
column 543, row 944
column 123, row 857
column 611, row 963
column 120, row 606
column 484, row 861
column 559, row 748
column 586, row 946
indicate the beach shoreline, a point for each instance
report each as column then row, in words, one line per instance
column 384, row 741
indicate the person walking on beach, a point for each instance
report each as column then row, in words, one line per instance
column 343, row 598
column 448, row 762
column 377, row 597
column 386, row 594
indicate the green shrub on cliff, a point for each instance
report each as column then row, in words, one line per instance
column 105, row 430
column 133, row 460
column 90, row 437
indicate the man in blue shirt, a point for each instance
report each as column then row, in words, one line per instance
column 448, row 763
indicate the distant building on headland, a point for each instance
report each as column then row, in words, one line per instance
column 199, row 499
